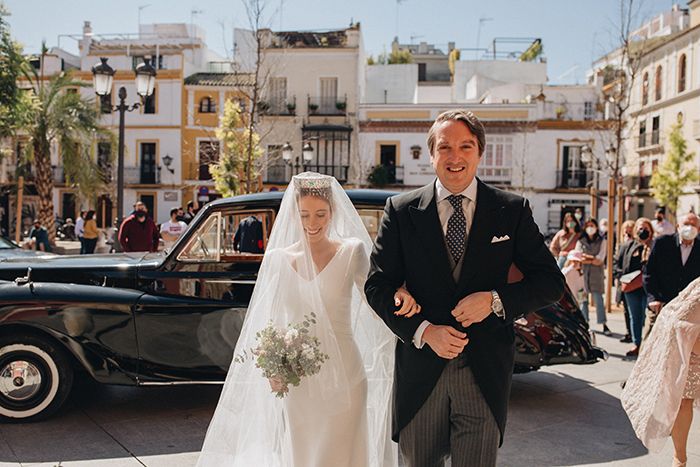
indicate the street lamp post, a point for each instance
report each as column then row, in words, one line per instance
column 103, row 77
column 307, row 155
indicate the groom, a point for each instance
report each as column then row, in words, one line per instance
column 452, row 244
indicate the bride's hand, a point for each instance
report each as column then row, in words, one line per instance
column 408, row 304
column 276, row 384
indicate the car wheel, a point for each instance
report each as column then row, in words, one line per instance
column 35, row 378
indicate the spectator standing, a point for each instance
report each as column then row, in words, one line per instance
column 674, row 263
column 80, row 231
column 91, row 233
column 593, row 247
column 565, row 240
column 172, row 229
column 40, row 237
column 630, row 261
column 627, row 235
column 578, row 215
column 661, row 226
column 138, row 232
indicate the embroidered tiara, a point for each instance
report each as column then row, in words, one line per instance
column 312, row 181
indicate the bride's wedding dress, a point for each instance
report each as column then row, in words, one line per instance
column 339, row 437
column 341, row 415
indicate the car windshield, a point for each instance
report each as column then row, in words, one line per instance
column 5, row 244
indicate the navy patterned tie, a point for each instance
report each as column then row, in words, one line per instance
column 456, row 228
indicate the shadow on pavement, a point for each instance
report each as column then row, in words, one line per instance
column 107, row 422
column 556, row 419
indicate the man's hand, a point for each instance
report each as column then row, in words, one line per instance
column 473, row 308
column 409, row 307
column 445, row 341
column 655, row 306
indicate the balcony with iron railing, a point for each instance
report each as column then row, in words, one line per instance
column 199, row 171
column 143, row 175
column 649, row 141
column 327, row 105
column 574, row 178
column 282, row 173
column 639, row 183
column 495, row 175
column 279, row 107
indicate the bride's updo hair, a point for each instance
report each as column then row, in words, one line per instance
column 318, row 186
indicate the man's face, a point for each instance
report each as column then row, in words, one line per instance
column 141, row 207
column 37, row 225
column 455, row 156
column 690, row 219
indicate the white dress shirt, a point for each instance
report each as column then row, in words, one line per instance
column 685, row 251
column 445, row 211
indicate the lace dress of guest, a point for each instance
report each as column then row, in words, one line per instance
column 666, row 371
column 338, row 438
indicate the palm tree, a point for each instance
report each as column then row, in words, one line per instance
column 63, row 116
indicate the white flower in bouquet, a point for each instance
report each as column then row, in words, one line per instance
column 285, row 356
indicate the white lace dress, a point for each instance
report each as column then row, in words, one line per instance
column 666, row 370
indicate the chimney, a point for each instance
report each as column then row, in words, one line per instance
column 694, row 6
column 86, row 41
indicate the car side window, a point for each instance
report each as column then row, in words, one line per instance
column 244, row 234
column 204, row 244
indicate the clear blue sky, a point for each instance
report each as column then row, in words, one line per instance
column 573, row 31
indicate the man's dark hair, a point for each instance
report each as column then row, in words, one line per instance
column 174, row 211
column 466, row 117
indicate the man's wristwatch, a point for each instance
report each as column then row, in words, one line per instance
column 497, row 305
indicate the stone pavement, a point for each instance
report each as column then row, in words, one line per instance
column 567, row 415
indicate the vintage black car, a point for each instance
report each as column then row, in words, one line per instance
column 174, row 317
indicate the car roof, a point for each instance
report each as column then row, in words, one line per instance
column 361, row 196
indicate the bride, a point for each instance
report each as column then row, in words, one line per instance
column 316, row 262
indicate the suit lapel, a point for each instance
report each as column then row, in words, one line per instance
column 484, row 226
column 427, row 224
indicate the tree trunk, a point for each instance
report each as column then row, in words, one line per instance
column 44, row 186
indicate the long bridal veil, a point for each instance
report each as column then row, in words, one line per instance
column 250, row 426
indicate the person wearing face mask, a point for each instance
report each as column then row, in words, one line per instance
column 674, row 263
column 138, row 232
column 631, row 259
column 578, row 215
column 565, row 240
column 593, row 247
column 661, row 226
column 627, row 236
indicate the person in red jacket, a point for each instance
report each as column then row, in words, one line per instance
column 138, row 232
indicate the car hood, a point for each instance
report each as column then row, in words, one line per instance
column 80, row 269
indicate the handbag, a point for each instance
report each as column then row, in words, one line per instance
column 631, row 281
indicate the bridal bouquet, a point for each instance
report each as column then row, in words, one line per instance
column 288, row 355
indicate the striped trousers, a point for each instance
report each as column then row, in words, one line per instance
column 454, row 422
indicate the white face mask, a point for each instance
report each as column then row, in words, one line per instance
column 688, row 232
column 591, row 231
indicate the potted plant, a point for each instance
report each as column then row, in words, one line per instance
column 291, row 108
column 263, row 107
column 341, row 105
column 379, row 177
column 313, row 108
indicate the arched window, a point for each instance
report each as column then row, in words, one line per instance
column 645, row 88
column 207, row 106
column 658, row 84
column 681, row 73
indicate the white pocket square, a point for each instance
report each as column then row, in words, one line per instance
column 500, row 239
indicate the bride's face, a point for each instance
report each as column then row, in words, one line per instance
column 315, row 217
